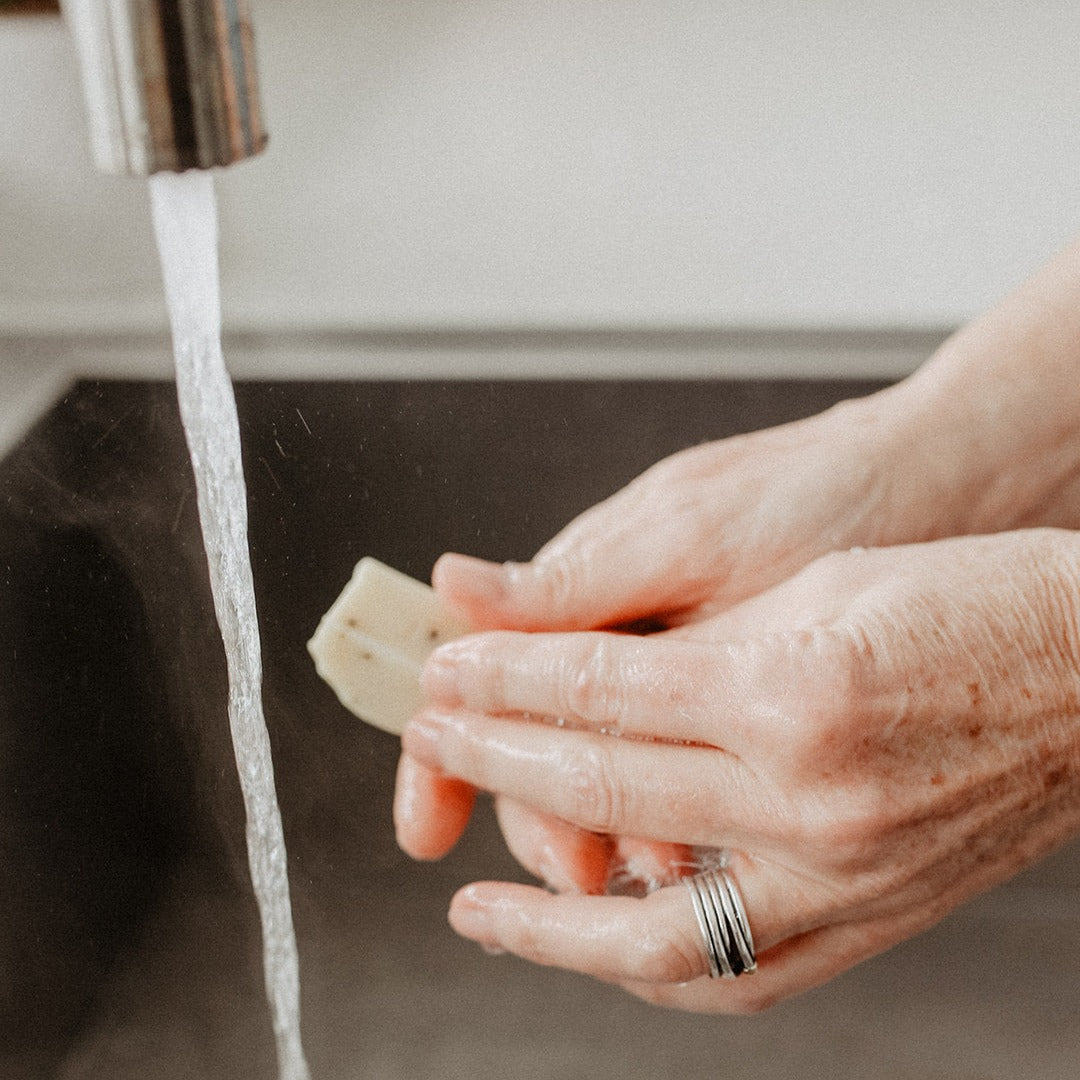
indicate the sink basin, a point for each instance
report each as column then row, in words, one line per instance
column 129, row 945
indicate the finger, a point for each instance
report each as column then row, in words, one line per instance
column 431, row 809
column 682, row 794
column 557, row 593
column 657, row 687
column 651, row 940
column 566, row 858
column 618, row 562
column 640, row 865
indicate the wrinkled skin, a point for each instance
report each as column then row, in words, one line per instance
column 616, row 564
column 875, row 712
column 897, row 734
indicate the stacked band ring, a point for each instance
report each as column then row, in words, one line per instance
column 718, row 906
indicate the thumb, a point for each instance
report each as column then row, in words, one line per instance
column 570, row 590
column 640, row 554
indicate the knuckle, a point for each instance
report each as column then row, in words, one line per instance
column 827, row 712
column 597, row 795
column 673, row 958
column 482, row 680
column 847, row 828
column 461, row 756
column 560, row 581
column 593, row 689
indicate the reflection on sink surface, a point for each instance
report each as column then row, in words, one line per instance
column 130, row 943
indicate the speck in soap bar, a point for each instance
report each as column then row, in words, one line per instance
column 372, row 643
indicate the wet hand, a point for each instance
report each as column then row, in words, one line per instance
column 876, row 739
column 695, row 534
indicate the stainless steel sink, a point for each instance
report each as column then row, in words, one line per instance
column 129, row 941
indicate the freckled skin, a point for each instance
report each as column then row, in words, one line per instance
column 864, row 804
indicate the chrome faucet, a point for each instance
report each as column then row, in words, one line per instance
column 170, row 85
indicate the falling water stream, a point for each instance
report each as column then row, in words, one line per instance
column 185, row 221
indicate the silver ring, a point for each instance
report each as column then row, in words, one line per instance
column 718, row 906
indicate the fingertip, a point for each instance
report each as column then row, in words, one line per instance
column 564, row 857
column 481, row 902
column 470, row 915
column 431, row 810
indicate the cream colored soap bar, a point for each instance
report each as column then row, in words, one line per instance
column 372, row 643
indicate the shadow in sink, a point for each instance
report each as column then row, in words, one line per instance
column 130, row 943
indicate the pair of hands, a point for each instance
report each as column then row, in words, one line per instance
column 873, row 713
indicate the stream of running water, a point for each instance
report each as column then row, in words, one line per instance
column 185, row 222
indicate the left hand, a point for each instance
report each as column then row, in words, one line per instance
column 875, row 740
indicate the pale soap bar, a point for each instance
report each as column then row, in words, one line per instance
column 372, row 643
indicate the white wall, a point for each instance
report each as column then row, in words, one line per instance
column 582, row 163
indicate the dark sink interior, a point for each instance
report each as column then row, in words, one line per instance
column 129, row 941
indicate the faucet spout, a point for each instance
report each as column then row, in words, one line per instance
column 170, row 85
